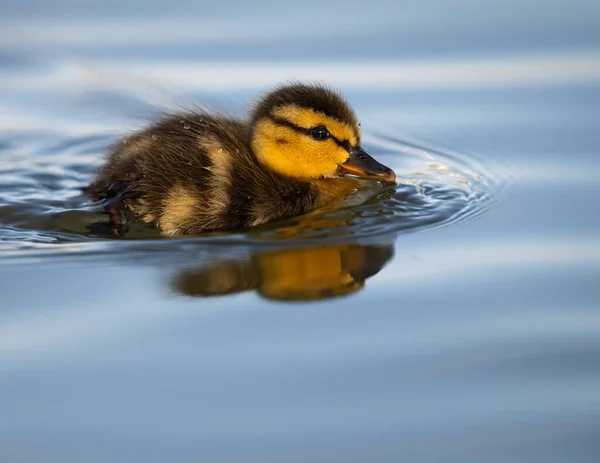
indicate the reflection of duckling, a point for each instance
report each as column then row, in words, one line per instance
column 196, row 172
column 291, row 274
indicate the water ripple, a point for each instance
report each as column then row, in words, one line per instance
column 41, row 201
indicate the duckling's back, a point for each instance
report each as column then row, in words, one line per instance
column 195, row 173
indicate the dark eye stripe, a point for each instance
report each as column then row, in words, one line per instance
column 290, row 125
column 344, row 143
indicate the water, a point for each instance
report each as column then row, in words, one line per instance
column 453, row 318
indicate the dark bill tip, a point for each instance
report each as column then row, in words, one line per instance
column 361, row 164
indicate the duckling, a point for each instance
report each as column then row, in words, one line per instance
column 196, row 172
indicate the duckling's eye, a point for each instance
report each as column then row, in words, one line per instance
column 320, row 133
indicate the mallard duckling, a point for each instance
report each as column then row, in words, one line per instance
column 196, row 172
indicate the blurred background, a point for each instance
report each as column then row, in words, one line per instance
column 454, row 319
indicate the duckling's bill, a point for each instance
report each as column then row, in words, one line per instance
column 361, row 164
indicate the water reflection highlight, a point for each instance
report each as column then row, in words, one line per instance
column 299, row 274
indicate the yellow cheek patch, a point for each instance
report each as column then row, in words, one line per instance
column 294, row 154
column 308, row 118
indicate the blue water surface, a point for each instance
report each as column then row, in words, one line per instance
column 455, row 318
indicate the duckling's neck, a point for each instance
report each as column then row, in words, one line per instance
column 333, row 189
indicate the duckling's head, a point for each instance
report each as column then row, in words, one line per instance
column 309, row 132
